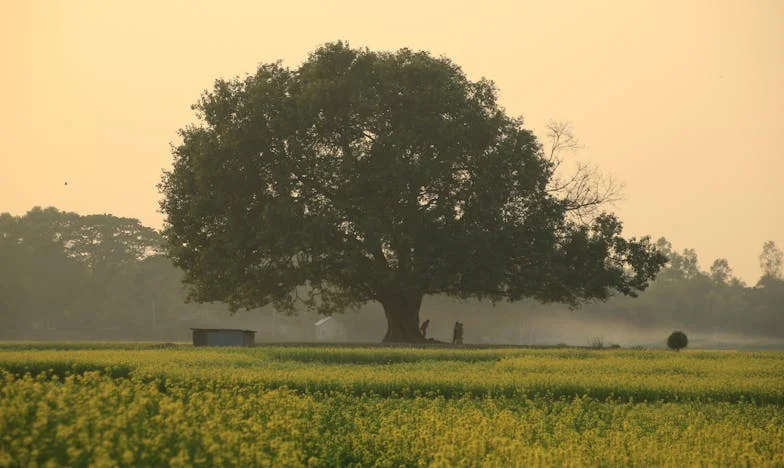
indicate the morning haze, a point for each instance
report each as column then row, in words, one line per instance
column 416, row 281
column 682, row 102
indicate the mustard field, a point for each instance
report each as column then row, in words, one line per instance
column 140, row 405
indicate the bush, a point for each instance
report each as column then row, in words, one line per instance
column 677, row 341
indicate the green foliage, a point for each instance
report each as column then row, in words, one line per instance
column 372, row 176
column 677, row 340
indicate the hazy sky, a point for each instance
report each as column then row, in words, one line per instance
column 683, row 101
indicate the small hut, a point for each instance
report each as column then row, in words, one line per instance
column 222, row 337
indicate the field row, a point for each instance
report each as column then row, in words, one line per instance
column 628, row 375
column 142, row 405
column 98, row 420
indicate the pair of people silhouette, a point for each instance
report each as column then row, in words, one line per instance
column 457, row 332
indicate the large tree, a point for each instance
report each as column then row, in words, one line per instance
column 374, row 176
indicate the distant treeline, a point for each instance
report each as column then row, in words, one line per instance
column 86, row 277
column 685, row 296
column 68, row 276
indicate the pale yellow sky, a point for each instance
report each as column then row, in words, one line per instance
column 683, row 101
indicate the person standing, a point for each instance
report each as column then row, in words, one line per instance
column 457, row 333
column 423, row 328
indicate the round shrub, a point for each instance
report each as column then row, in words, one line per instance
column 677, row 340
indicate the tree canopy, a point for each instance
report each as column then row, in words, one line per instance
column 379, row 176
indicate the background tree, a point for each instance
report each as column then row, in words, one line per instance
column 771, row 260
column 720, row 271
column 105, row 243
column 767, row 297
column 111, row 250
column 368, row 176
column 62, row 271
column 36, row 272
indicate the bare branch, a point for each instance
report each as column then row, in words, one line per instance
column 562, row 140
column 585, row 190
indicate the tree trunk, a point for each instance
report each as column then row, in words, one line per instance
column 402, row 319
